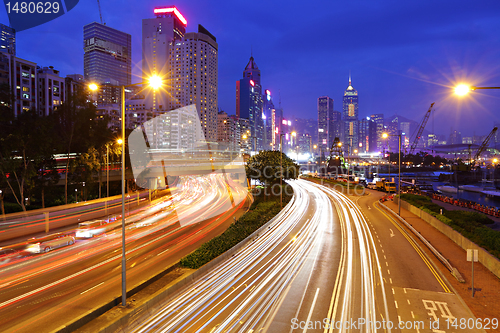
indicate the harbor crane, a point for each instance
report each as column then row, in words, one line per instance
column 483, row 145
column 421, row 129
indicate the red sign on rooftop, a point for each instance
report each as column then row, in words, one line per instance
column 174, row 10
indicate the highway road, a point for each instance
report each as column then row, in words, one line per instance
column 323, row 265
column 46, row 291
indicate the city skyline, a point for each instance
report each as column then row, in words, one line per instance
column 397, row 71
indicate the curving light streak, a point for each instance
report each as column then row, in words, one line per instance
column 244, row 292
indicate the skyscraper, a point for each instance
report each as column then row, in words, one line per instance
column 267, row 117
column 108, row 55
column 367, row 136
column 249, row 103
column 335, row 130
column 350, row 117
column 189, row 61
column 378, row 118
column 7, row 39
column 325, row 115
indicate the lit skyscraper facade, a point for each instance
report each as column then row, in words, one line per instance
column 189, row 61
column 108, row 55
column 378, row 118
column 249, row 103
column 335, row 130
column 7, row 39
column 367, row 136
column 325, row 117
column 267, row 117
column 350, row 118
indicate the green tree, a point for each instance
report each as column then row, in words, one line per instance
column 24, row 147
column 269, row 166
column 80, row 131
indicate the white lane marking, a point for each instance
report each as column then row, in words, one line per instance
column 159, row 254
column 388, row 272
column 408, row 301
column 83, row 292
column 412, row 315
column 393, row 292
column 386, row 264
column 311, row 311
column 390, row 279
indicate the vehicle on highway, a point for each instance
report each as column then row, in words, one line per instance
column 47, row 243
column 9, row 254
column 94, row 228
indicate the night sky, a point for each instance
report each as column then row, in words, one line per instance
column 402, row 55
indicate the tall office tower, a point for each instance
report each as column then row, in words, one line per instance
column 108, row 55
column 189, row 61
column 350, row 115
column 228, row 132
column 455, row 137
column 325, row 116
column 249, row 103
column 267, row 117
column 378, row 118
column 305, row 143
column 7, row 39
column 335, row 130
column 367, row 136
column 245, row 139
column 5, row 68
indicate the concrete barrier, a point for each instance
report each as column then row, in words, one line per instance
column 488, row 260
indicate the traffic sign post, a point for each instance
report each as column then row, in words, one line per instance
column 472, row 255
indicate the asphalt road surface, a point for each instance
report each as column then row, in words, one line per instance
column 325, row 264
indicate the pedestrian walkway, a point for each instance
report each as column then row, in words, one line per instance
column 485, row 302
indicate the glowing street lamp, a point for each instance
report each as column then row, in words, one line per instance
column 154, row 82
column 464, row 89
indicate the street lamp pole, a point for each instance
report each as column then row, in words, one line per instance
column 281, row 171
column 107, row 170
column 124, row 259
column 155, row 82
column 399, row 178
column 1, row 204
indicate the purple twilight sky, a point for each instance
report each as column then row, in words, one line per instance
column 402, row 55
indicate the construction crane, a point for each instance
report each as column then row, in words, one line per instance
column 421, row 129
column 483, row 145
column 100, row 15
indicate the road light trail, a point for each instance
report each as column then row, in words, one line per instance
column 79, row 274
column 244, row 293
